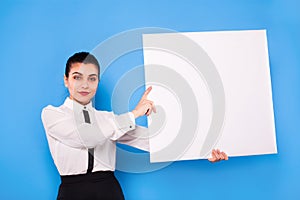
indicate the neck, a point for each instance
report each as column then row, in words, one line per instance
column 82, row 103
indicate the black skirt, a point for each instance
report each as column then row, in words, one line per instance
column 91, row 186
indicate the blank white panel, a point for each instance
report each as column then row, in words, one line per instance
column 241, row 60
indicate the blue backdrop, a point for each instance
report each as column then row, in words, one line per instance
column 36, row 39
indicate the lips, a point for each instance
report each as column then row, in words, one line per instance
column 84, row 93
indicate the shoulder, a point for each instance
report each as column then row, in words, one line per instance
column 49, row 113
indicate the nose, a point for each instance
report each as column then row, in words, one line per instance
column 85, row 84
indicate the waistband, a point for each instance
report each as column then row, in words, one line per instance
column 99, row 175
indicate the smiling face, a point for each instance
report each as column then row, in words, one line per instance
column 82, row 82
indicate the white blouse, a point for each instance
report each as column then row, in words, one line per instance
column 69, row 137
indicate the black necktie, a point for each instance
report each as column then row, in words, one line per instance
column 86, row 116
column 90, row 151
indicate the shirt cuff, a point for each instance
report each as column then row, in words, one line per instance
column 125, row 122
column 131, row 115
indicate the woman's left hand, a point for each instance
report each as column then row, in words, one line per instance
column 145, row 106
column 217, row 156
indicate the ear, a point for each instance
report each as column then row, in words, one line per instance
column 66, row 81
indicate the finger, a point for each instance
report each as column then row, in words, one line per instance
column 146, row 92
column 225, row 156
column 213, row 158
column 148, row 112
column 213, row 152
column 149, row 109
column 154, row 108
column 217, row 155
column 148, row 101
column 221, row 156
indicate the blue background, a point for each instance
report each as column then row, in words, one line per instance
column 36, row 39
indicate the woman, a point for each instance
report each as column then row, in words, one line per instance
column 82, row 140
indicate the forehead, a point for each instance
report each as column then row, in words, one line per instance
column 84, row 68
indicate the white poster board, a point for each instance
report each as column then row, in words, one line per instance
column 212, row 90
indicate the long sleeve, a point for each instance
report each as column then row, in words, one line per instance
column 61, row 126
column 139, row 138
column 126, row 132
column 115, row 126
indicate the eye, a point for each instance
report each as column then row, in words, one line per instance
column 77, row 77
column 93, row 79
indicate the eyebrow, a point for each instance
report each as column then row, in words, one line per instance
column 82, row 74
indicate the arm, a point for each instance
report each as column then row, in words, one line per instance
column 61, row 126
column 54, row 122
column 119, row 125
column 138, row 137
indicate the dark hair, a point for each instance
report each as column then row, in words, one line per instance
column 81, row 57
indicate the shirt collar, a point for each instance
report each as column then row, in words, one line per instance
column 74, row 105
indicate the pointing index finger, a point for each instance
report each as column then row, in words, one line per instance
column 146, row 92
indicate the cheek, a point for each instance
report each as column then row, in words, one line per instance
column 94, row 87
column 75, row 84
column 72, row 86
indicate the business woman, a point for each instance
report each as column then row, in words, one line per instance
column 82, row 140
